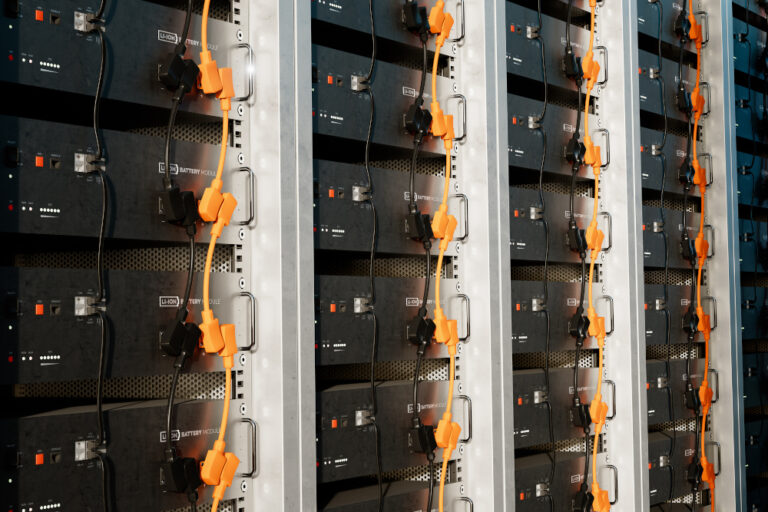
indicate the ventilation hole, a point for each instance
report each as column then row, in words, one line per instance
column 675, row 277
column 560, row 273
column 431, row 369
column 383, row 266
column 564, row 359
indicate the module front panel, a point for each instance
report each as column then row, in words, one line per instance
column 45, row 153
column 46, row 341
column 46, row 51
column 562, row 481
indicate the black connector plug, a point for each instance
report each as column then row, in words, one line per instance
column 415, row 18
column 693, row 475
column 180, row 475
column 688, row 248
column 417, row 120
column 692, row 401
column 690, row 321
column 574, row 152
column 686, row 172
column 418, row 227
column 181, row 339
column 572, row 66
column 682, row 26
column 683, row 100
column 578, row 326
column 580, row 416
column 420, row 331
column 583, row 500
column 577, row 238
column 421, row 438
column 178, row 207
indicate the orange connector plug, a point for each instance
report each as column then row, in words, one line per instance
column 450, row 228
column 449, row 134
column 229, row 349
column 226, row 476
column 438, row 119
column 213, row 340
column 215, row 459
column 210, row 80
column 228, row 205
column 227, row 91
column 602, row 502
column 436, row 17
column 445, row 31
column 442, row 326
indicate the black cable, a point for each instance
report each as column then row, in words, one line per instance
column 424, row 67
column 372, row 290
column 102, row 438
column 659, row 78
column 99, row 16
column 412, row 208
column 543, row 63
column 99, row 88
column 175, row 103
column 169, row 411
column 182, row 44
column 428, row 257
column 419, row 358
column 568, row 25
column 101, row 297
column 431, row 492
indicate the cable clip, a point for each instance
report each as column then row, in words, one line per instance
column 360, row 194
column 87, row 306
column 359, row 83
column 86, row 163
column 532, row 32
column 362, row 305
column 534, row 122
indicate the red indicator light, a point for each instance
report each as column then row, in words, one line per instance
column 330, row 79
column 39, row 161
column 334, row 423
column 10, row 359
column 39, row 15
column 643, row 227
column 333, row 308
column 39, row 309
column 10, row 207
column 39, row 459
column 331, row 193
column 522, row 496
column 511, row 28
column 10, row 57
column 514, row 120
column 519, row 400
column 517, row 306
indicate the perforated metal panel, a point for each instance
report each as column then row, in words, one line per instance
column 225, row 506
column 431, row 369
column 561, row 273
column 384, row 266
column 420, row 474
column 201, row 133
column 674, row 203
column 581, row 189
column 676, row 277
column 219, row 9
column 191, row 386
column 676, row 351
column 565, row 359
column 427, row 166
column 170, row 258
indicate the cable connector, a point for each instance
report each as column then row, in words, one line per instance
column 229, row 349
column 453, row 337
column 707, row 472
column 574, row 152
column 436, row 17
column 578, row 326
column 602, row 503
column 572, row 66
column 440, row 221
column 577, row 239
column 438, row 119
column 87, row 306
column 692, row 400
column 532, row 32
column 683, row 100
column 209, row 205
column 182, row 338
column 213, row 340
column 87, row 164
column 693, row 475
column 359, row 83
column 580, row 415
column 705, row 395
column 449, row 134
column 450, row 228
column 590, row 68
column 534, row 122
column 227, row 475
column 421, row 438
column 417, row 120
column 415, row 18
column 417, row 227
column 215, row 459
column 420, row 331
column 224, row 216
column 653, row 73
column 180, row 475
column 209, row 80
column 86, row 22
column 584, row 500
column 227, row 91
column 445, row 31
column 178, row 207
column 442, row 326
column 598, row 411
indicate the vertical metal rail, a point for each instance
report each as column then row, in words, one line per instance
column 487, row 460
column 622, row 265
column 723, row 272
column 280, row 239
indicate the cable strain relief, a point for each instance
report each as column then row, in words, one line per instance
column 170, row 454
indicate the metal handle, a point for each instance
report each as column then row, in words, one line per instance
column 250, row 72
column 719, row 456
column 604, row 51
column 465, row 300
column 465, row 201
column 251, row 196
column 463, row 100
column 705, row 85
column 608, row 216
column 705, row 22
column 615, row 484
column 469, row 417
column 464, row 499
column 716, row 375
column 613, row 396
column 606, row 145
column 252, row 300
column 714, row 310
column 254, row 444
column 463, row 29
column 610, row 312
column 708, row 227
column 711, row 176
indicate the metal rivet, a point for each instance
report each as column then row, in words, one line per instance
column 241, row 158
column 455, row 87
column 243, row 360
column 461, row 388
column 241, row 234
column 242, row 409
column 461, row 489
column 243, row 486
column 461, row 449
column 239, row 35
column 458, row 285
column 240, row 109
column 242, row 283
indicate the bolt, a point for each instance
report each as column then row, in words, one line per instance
column 461, row 449
column 243, row 360
column 241, row 283
column 240, row 110
column 241, row 158
column 239, row 35
column 458, row 285
column 242, row 409
column 243, row 486
column 241, row 234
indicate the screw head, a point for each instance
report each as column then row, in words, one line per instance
column 241, row 158
column 240, row 109
column 241, row 283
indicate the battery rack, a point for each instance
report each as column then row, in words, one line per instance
column 115, row 396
